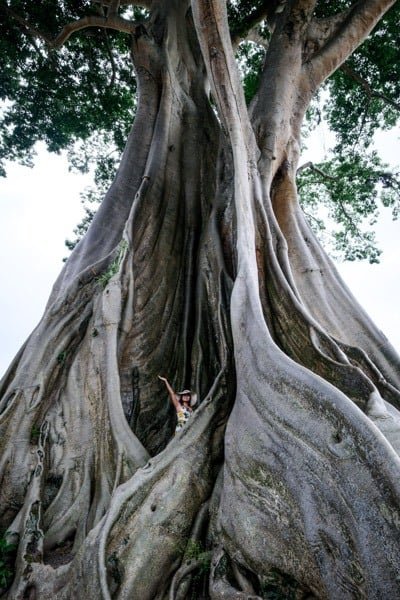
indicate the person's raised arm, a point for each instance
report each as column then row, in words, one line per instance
column 171, row 393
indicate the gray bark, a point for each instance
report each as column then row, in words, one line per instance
column 199, row 265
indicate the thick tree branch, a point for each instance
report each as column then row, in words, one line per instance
column 141, row 3
column 371, row 93
column 310, row 165
column 238, row 34
column 248, row 28
column 362, row 18
column 110, row 22
column 320, row 31
column 113, row 8
column 253, row 36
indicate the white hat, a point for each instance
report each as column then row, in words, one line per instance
column 193, row 397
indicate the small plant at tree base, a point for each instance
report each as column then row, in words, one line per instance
column 35, row 434
column 196, row 551
column 6, row 562
column 62, row 357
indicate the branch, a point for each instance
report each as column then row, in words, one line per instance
column 351, row 223
column 371, row 93
column 362, row 18
column 35, row 33
column 310, row 165
column 254, row 36
column 252, row 21
column 113, row 8
column 112, row 60
column 142, row 3
column 321, row 30
column 110, row 22
column 310, row 217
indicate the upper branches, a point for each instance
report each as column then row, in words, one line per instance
column 111, row 21
column 242, row 22
column 141, row 3
column 370, row 92
column 246, row 16
column 348, row 32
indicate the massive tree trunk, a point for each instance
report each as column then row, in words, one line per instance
column 200, row 265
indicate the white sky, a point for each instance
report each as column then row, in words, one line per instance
column 39, row 208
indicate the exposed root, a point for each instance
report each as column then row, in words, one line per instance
column 189, row 566
column 190, row 563
column 221, row 572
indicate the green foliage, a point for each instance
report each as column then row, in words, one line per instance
column 113, row 268
column 66, row 95
column 250, row 57
column 363, row 97
column 194, row 550
column 364, row 94
column 349, row 190
column 35, row 434
column 7, row 551
column 240, row 13
column 62, row 357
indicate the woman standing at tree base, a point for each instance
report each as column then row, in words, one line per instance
column 183, row 403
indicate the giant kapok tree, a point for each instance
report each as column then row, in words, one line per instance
column 200, row 265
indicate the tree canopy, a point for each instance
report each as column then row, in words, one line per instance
column 79, row 95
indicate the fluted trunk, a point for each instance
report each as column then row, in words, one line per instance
column 200, row 265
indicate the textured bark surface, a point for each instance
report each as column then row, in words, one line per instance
column 200, row 265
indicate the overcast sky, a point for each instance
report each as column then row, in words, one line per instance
column 41, row 206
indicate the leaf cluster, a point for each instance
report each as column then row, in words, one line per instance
column 365, row 92
column 349, row 190
column 59, row 97
column 250, row 57
column 241, row 15
column 363, row 96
